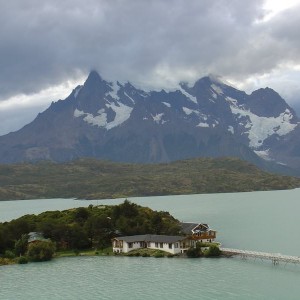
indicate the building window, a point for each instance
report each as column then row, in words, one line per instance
column 170, row 246
column 176, row 245
column 161, row 245
column 156, row 245
column 129, row 245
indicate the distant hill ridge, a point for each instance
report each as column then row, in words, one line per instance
column 94, row 179
column 118, row 122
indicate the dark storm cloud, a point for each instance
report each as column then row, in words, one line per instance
column 46, row 42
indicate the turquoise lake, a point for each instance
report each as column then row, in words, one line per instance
column 262, row 221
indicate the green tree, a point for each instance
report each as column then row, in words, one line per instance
column 41, row 251
column 157, row 222
column 213, row 251
column 77, row 237
column 6, row 239
column 21, row 245
column 81, row 214
column 194, row 252
column 18, row 227
column 99, row 230
column 128, row 209
column 2, row 241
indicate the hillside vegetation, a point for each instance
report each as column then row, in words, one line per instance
column 85, row 228
column 94, row 179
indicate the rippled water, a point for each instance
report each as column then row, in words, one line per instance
column 265, row 221
column 149, row 278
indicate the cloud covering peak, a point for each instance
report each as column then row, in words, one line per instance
column 150, row 43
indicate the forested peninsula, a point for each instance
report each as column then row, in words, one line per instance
column 96, row 179
column 80, row 229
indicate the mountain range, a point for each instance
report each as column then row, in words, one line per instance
column 119, row 122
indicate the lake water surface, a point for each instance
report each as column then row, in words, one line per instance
column 263, row 221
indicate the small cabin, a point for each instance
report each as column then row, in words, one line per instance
column 34, row 237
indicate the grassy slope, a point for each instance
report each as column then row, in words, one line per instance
column 94, row 179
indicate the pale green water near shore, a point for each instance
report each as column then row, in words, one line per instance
column 263, row 221
column 149, row 278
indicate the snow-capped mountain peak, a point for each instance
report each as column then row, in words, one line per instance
column 117, row 121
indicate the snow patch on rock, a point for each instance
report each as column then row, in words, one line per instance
column 264, row 154
column 77, row 90
column 260, row 128
column 129, row 97
column 201, row 124
column 144, row 94
column 157, row 118
column 232, row 101
column 166, row 104
column 189, row 96
column 122, row 114
column 214, row 96
column 99, row 120
column 78, row 113
column 114, row 92
column 231, row 129
column 189, row 111
column 217, row 89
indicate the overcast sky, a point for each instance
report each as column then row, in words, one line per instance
column 48, row 47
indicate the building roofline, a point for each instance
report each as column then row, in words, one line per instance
column 151, row 238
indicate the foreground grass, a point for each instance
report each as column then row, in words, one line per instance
column 93, row 252
column 67, row 253
column 94, row 179
column 86, row 252
column 7, row 261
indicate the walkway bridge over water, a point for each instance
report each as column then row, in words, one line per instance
column 274, row 257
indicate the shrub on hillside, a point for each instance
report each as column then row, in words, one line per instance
column 22, row 260
column 159, row 255
column 9, row 254
column 213, row 251
column 41, row 251
column 194, row 252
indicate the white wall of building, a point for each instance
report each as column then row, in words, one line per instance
column 173, row 248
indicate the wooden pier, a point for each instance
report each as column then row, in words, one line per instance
column 274, row 257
